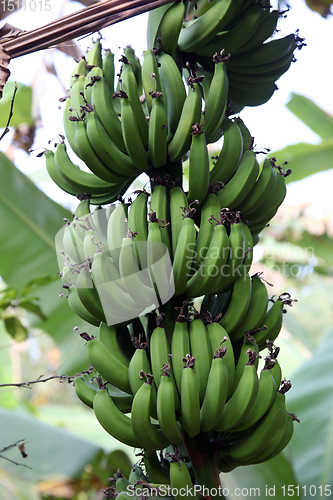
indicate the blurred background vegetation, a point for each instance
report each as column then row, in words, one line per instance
column 69, row 456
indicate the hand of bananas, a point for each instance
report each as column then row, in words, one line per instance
column 197, row 380
column 165, row 372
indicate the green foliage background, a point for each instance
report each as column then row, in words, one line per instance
column 36, row 337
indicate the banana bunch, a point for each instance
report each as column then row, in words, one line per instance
column 162, row 372
column 198, row 380
column 114, row 265
column 239, row 29
column 121, row 262
column 151, row 120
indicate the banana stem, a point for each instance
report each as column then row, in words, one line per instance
column 201, row 452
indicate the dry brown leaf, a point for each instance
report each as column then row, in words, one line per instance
column 8, row 31
column 4, row 71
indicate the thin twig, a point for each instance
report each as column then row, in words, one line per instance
column 6, row 130
column 9, row 448
column 15, row 463
column 69, row 378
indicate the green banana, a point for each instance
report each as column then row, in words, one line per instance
column 259, row 79
column 216, row 101
column 94, row 54
column 278, row 63
column 137, row 283
column 55, row 175
column 158, row 131
column 108, row 365
column 89, row 295
column 72, row 243
column 138, row 362
column 180, row 479
column 158, row 259
column 241, row 183
column 117, row 229
column 157, row 473
column 211, row 265
column 101, row 99
column 160, row 356
column 166, row 410
column 89, row 156
column 190, row 398
column 150, row 437
column 248, row 348
column 69, row 126
column 76, row 305
column 239, row 303
column 138, row 223
column 204, row 28
column 132, row 138
column 84, row 391
column 183, row 255
column 83, row 208
column 90, row 242
column 198, row 168
column 219, row 338
column 77, row 87
column 108, row 69
column 149, row 68
column 235, row 38
column 117, row 161
column 154, row 19
column 251, row 96
column 265, row 397
column 159, row 203
column 248, row 242
column 246, row 135
column 242, row 400
column 272, row 321
column 178, row 199
column 201, row 351
column 130, row 87
column 190, row 115
column 108, row 335
column 216, row 392
column 113, row 420
column 173, row 90
column 136, row 66
column 266, row 29
column 118, row 306
column 180, row 346
column 169, row 28
column 256, row 309
column 210, row 208
column 230, row 154
column 266, row 53
column 271, row 204
column 262, row 189
column 255, row 441
column 159, row 352
column 81, row 181
column 279, row 440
